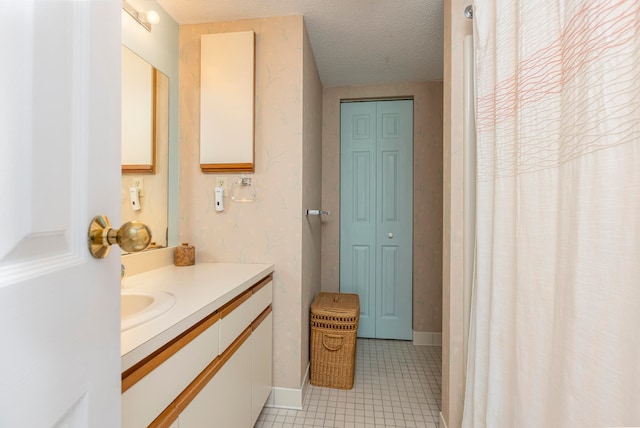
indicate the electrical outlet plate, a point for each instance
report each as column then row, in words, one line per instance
column 221, row 181
column 138, row 183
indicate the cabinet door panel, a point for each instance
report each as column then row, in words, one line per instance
column 261, row 366
column 233, row 324
column 226, row 400
column 227, row 96
column 260, row 300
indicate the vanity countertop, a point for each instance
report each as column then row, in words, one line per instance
column 199, row 289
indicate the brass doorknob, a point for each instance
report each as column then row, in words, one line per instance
column 132, row 236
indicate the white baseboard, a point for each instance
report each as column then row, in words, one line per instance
column 425, row 338
column 443, row 424
column 289, row 398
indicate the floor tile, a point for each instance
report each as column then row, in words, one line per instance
column 396, row 384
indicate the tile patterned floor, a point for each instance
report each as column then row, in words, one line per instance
column 396, row 385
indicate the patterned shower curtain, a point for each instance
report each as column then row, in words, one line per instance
column 555, row 323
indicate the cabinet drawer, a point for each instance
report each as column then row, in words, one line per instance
column 234, row 319
column 240, row 313
column 147, row 398
column 260, row 300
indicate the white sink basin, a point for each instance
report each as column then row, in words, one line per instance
column 140, row 306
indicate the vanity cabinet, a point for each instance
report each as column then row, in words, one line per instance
column 216, row 374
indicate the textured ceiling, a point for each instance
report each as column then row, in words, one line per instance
column 355, row 42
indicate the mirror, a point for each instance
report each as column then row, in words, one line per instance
column 160, row 48
column 145, row 128
column 138, row 114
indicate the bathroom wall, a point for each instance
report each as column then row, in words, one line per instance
column 456, row 26
column 311, row 190
column 273, row 229
column 427, row 186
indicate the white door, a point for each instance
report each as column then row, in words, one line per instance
column 59, row 166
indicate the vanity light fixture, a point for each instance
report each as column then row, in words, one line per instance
column 143, row 18
column 153, row 17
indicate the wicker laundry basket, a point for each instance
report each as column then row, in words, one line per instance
column 334, row 324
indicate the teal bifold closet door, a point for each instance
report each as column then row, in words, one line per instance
column 376, row 214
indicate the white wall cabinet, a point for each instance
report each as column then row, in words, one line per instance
column 217, row 374
column 227, row 98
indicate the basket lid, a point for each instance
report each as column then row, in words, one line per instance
column 342, row 302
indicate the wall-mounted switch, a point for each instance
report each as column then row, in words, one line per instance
column 221, row 181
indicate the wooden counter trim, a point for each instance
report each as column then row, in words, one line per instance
column 256, row 323
column 262, row 283
column 171, row 413
column 137, row 372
